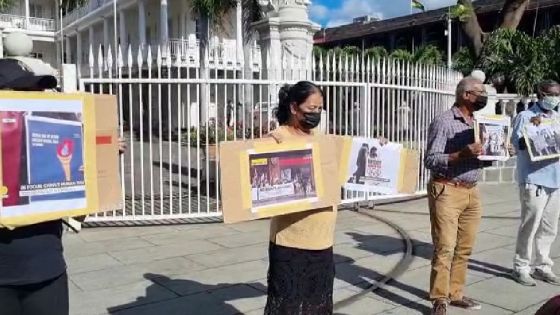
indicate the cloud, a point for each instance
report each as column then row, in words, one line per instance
column 332, row 13
column 344, row 13
column 318, row 12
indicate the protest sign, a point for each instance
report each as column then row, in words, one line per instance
column 493, row 133
column 543, row 141
column 51, row 144
column 262, row 178
column 384, row 169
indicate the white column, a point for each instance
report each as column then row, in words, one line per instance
column 1, row 45
column 164, row 34
column 105, row 35
column 122, row 31
column 79, row 51
column 142, row 23
column 183, row 22
column 68, row 50
column 91, row 41
column 239, row 35
column 27, row 14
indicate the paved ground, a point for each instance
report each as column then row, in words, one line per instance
column 217, row 269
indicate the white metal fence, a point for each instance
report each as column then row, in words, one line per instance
column 170, row 170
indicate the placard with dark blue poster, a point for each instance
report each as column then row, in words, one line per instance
column 54, row 160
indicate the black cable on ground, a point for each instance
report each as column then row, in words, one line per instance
column 396, row 272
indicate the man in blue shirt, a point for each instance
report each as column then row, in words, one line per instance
column 539, row 193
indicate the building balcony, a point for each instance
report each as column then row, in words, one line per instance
column 83, row 10
column 222, row 55
column 222, row 51
column 8, row 21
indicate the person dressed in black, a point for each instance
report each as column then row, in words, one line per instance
column 33, row 279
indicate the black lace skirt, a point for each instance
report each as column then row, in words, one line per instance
column 300, row 282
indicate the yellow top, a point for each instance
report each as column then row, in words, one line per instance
column 313, row 229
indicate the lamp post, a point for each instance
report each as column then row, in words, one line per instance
column 448, row 33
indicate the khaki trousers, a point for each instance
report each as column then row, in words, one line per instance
column 455, row 214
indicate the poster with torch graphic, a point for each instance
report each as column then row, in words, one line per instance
column 54, row 160
column 42, row 157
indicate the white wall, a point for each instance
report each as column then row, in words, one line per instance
column 47, row 50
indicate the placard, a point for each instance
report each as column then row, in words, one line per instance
column 49, row 156
column 493, row 132
column 543, row 141
column 262, row 178
column 384, row 169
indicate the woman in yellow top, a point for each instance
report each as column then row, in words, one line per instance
column 301, row 264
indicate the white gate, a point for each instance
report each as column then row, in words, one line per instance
column 170, row 172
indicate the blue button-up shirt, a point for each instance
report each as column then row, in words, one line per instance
column 450, row 132
column 544, row 173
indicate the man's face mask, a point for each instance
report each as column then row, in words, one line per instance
column 550, row 102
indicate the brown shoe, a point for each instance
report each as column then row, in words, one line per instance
column 466, row 303
column 440, row 308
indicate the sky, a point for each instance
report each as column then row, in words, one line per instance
column 331, row 13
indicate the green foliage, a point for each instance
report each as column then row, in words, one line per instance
column 464, row 61
column 522, row 60
column 6, row 4
column 319, row 51
column 351, row 50
column 551, row 43
column 428, row 55
column 376, row 53
column 461, row 13
column 402, row 55
column 214, row 10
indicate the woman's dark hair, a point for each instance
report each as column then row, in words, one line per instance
column 296, row 93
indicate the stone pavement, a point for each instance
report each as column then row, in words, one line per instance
column 217, row 269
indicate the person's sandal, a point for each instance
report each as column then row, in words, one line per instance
column 440, row 308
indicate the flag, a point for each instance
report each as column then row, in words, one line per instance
column 417, row 5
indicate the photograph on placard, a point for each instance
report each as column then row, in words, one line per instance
column 493, row 133
column 373, row 167
column 282, row 177
column 543, row 141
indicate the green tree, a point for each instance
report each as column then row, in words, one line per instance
column 376, row 53
column 509, row 18
column 429, row 55
column 463, row 61
column 521, row 60
column 402, row 55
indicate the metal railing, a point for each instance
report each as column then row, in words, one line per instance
column 19, row 22
column 170, row 169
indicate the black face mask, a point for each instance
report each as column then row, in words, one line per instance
column 480, row 102
column 310, row 120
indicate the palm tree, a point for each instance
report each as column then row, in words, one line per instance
column 212, row 16
column 376, row 53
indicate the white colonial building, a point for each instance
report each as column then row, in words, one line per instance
column 143, row 23
column 36, row 18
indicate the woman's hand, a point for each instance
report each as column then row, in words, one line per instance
column 122, row 146
column 382, row 141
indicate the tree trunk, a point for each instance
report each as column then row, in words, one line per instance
column 511, row 15
column 472, row 29
column 512, row 12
